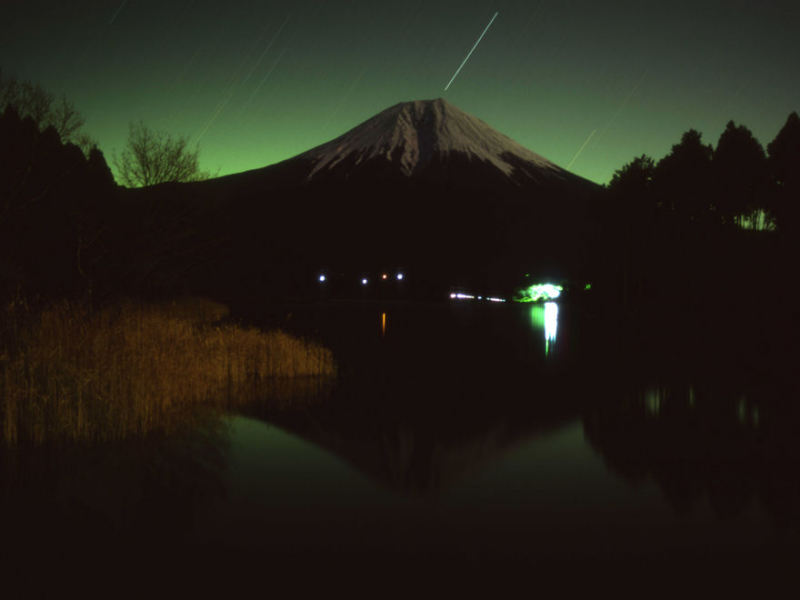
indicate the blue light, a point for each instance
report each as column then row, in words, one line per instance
column 400, row 277
column 322, row 278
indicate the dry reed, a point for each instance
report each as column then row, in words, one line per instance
column 71, row 374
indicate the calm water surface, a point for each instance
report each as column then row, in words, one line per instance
column 462, row 436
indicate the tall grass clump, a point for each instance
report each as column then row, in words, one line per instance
column 69, row 373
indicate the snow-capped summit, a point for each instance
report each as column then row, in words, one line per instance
column 411, row 134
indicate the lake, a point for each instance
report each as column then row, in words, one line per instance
column 459, row 436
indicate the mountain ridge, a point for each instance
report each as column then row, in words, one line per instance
column 412, row 133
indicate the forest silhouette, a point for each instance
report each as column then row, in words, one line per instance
column 663, row 227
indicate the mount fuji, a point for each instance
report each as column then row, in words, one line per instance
column 421, row 184
column 413, row 135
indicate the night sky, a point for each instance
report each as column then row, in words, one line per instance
column 260, row 81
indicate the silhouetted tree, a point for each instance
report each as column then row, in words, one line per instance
column 32, row 100
column 682, row 179
column 54, row 209
column 632, row 185
column 739, row 165
column 98, row 167
column 784, row 171
column 153, row 157
column 631, row 217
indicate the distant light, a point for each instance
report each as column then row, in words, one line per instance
column 322, row 278
column 384, row 276
column 587, row 287
column 464, row 296
column 539, row 291
column 364, row 281
column 399, row 276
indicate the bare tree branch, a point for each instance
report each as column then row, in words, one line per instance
column 32, row 100
column 153, row 157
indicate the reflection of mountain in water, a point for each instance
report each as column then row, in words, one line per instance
column 79, row 511
column 410, row 458
column 732, row 447
column 434, row 393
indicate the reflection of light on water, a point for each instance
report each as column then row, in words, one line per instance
column 550, row 324
column 747, row 413
column 546, row 317
column 741, row 410
column 653, row 400
column 537, row 316
column 383, row 324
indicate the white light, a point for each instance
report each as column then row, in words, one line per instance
column 480, row 297
column 462, row 296
column 322, row 278
column 550, row 321
column 399, row 276
column 364, row 281
column 490, row 299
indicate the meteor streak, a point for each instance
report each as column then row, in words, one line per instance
column 624, row 104
column 574, row 158
column 264, row 80
column 458, row 70
column 264, row 53
column 119, row 10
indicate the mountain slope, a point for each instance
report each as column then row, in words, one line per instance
column 412, row 134
column 421, row 184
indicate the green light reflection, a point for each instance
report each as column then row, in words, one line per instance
column 544, row 317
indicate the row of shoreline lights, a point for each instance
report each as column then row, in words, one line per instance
column 461, row 296
column 533, row 293
column 400, row 276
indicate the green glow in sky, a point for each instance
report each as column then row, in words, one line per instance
column 583, row 82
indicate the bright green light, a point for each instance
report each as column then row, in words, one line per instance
column 539, row 291
column 537, row 316
column 587, row 287
column 544, row 317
